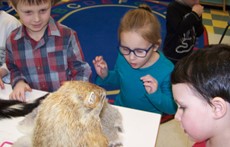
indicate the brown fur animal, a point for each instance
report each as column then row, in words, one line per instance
column 70, row 117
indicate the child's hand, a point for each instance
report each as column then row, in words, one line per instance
column 198, row 9
column 1, row 84
column 150, row 83
column 3, row 72
column 19, row 91
column 100, row 66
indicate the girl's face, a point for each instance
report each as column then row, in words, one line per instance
column 193, row 113
column 34, row 17
column 133, row 40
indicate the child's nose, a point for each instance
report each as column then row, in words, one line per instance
column 132, row 55
column 178, row 115
column 36, row 17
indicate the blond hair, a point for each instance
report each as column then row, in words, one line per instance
column 143, row 21
column 14, row 3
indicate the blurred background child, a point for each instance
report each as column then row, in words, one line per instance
column 184, row 25
column 7, row 24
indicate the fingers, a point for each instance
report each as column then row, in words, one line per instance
column 99, row 62
column 98, row 59
column 19, row 92
column 150, row 83
column 148, row 79
column 1, row 84
column 27, row 88
column 100, row 66
column 18, row 95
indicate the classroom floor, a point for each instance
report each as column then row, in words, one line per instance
column 215, row 21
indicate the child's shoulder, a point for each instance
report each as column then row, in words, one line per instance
column 58, row 27
column 64, row 29
column 165, row 61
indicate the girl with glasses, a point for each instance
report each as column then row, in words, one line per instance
column 141, row 71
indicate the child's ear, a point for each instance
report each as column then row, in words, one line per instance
column 13, row 7
column 159, row 41
column 219, row 107
column 157, row 45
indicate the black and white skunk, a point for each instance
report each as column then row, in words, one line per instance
column 15, row 108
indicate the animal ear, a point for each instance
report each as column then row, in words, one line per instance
column 91, row 100
column 219, row 107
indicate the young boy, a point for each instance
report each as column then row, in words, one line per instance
column 184, row 25
column 42, row 53
column 201, row 88
column 7, row 24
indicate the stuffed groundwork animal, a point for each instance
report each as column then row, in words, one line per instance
column 76, row 115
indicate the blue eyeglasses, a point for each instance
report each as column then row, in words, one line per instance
column 137, row 51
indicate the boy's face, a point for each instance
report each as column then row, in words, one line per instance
column 34, row 17
column 133, row 40
column 193, row 113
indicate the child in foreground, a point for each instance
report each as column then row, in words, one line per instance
column 42, row 54
column 141, row 71
column 201, row 88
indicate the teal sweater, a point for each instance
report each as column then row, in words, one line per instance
column 132, row 91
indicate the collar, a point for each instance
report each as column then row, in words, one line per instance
column 52, row 30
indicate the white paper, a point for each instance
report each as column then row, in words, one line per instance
column 34, row 94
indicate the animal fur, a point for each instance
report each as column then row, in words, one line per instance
column 70, row 117
column 14, row 108
column 78, row 114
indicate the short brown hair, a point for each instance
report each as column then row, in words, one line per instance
column 29, row 2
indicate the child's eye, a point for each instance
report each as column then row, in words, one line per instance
column 28, row 12
column 181, row 107
column 140, row 51
column 43, row 10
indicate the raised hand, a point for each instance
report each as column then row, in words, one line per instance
column 100, row 66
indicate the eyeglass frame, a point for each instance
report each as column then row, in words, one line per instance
column 133, row 50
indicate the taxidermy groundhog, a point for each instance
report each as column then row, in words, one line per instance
column 76, row 115
column 71, row 112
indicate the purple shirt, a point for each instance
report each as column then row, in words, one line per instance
column 45, row 64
